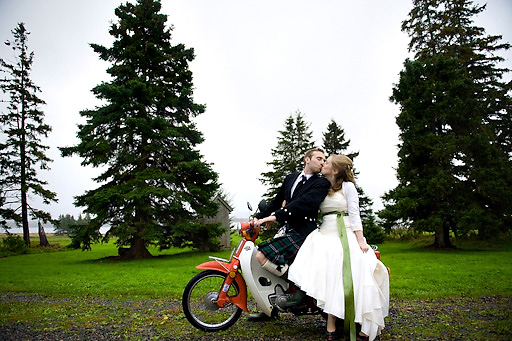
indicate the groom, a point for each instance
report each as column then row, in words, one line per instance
column 296, row 208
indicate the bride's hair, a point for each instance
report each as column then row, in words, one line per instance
column 343, row 165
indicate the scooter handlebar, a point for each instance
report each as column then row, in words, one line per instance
column 248, row 230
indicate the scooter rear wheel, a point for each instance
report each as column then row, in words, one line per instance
column 200, row 302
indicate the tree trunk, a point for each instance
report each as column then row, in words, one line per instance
column 23, row 170
column 136, row 251
column 43, row 241
column 442, row 238
column 24, row 218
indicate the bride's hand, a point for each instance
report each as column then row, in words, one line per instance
column 364, row 247
column 361, row 240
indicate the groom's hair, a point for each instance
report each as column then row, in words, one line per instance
column 310, row 152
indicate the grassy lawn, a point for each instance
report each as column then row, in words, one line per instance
column 54, row 286
column 95, row 273
column 416, row 272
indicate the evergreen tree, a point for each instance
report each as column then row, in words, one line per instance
column 426, row 195
column 68, row 225
column 156, row 188
column 65, row 224
column 334, row 143
column 21, row 149
column 454, row 167
column 288, row 156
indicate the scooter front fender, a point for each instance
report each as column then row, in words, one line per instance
column 239, row 300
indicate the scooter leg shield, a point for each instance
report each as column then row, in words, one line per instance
column 278, row 270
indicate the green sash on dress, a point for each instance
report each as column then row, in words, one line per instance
column 349, row 326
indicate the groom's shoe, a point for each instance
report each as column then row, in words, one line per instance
column 291, row 300
column 261, row 316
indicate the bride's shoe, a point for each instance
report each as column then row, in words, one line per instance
column 362, row 338
column 331, row 336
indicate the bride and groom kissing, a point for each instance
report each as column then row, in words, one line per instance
column 332, row 262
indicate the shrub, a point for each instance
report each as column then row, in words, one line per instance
column 14, row 244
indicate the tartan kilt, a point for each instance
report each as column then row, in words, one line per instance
column 282, row 250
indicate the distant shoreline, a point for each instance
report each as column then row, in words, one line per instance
column 49, row 228
column 32, row 235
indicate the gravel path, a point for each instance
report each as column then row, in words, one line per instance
column 36, row 317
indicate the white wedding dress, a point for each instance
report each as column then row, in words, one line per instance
column 318, row 268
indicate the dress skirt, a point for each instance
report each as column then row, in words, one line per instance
column 318, row 270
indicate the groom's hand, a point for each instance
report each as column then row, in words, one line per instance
column 267, row 220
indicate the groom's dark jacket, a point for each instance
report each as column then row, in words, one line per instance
column 301, row 210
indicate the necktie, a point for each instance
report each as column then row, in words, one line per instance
column 302, row 181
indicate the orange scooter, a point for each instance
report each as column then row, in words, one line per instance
column 215, row 298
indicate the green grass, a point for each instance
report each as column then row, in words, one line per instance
column 471, row 270
column 416, row 271
column 76, row 272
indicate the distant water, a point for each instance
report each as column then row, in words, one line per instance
column 33, row 228
column 49, row 228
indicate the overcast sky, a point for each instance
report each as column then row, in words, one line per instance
column 256, row 63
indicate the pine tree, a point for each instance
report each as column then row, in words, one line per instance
column 21, row 149
column 288, row 156
column 68, row 225
column 65, row 226
column 454, row 167
column 156, row 188
column 334, row 142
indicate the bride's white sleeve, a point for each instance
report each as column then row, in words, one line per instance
column 352, row 197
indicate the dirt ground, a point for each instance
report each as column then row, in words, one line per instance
column 484, row 318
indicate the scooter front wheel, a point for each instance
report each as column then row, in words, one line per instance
column 200, row 302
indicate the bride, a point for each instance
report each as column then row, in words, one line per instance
column 336, row 266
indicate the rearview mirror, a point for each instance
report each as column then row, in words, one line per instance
column 262, row 205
